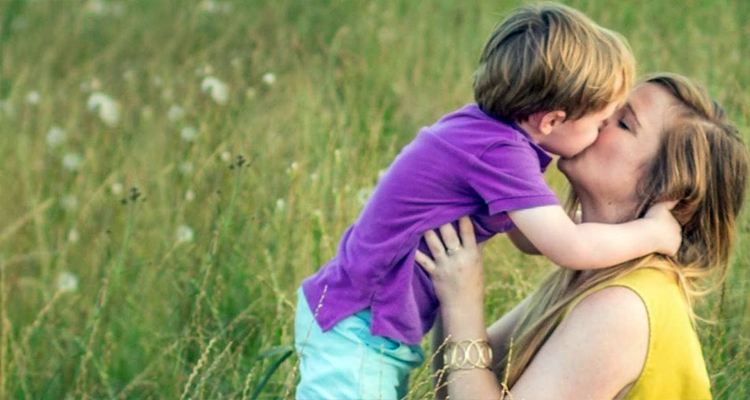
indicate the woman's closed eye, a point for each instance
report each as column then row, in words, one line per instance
column 621, row 124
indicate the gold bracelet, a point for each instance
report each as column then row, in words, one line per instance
column 467, row 354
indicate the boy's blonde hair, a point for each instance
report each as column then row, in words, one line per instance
column 548, row 57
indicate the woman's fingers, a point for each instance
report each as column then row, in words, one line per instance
column 450, row 238
column 434, row 244
column 467, row 232
column 425, row 262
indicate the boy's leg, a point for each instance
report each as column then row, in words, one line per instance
column 347, row 362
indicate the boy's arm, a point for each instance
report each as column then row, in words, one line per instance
column 593, row 245
column 523, row 244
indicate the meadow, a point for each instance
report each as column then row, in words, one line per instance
column 171, row 170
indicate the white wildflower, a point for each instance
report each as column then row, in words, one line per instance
column 184, row 234
column 117, row 188
column 226, row 156
column 69, row 203
column 73, row 236
column 55, row 136
column 188, row 133
column 175, row 113
column 67, row 282
column 96, row 7
column 72, row 161
column 7, row 108
column 363, row 195
column 269, row 79
column 293, row 168
column 314, row 176
column 280, row 205
column 209, row 6
column 33, row 97
column 186, row 168
column 190, row 195
column 217, row 89
column 106, row 107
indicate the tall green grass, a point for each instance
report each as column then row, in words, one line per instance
column 184, row 288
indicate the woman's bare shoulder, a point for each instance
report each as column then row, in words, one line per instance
column 596, row 351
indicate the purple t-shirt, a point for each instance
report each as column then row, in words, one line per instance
column 465, row 164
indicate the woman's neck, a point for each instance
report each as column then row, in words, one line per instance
column 606, row 211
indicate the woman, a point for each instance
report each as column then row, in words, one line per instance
column 621, row 332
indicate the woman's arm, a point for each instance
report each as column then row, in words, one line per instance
column 599, row 349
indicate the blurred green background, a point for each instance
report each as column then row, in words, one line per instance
column 171, row 170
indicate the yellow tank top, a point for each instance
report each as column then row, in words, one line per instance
column 674, row 367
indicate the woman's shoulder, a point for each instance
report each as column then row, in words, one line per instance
column 646, row 307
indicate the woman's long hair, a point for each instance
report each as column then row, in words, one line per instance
column 703, row 162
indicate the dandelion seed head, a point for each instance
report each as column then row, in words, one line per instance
column 73, row 236
column 106, row 107
column 55, row 136
column 67, row 282
column 188, row 133
column 33, row 97
column 189, row 195
column 184, row 234
column 217, row 89
column 7, row 108
column 186, row 168
column 280, row 205
column 269, row 79
column 69, row 203
column 363, row 195
column 117, row 188
column 314, row 176
column 96, row 7
column 72, row 161
column 175, row 113
column 226, row 156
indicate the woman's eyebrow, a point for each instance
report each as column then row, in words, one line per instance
column 632, row 111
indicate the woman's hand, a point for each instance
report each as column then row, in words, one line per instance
column 456, row 267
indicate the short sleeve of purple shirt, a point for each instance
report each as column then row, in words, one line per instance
column 507, row 176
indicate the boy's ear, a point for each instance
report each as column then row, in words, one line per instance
column 546, row 122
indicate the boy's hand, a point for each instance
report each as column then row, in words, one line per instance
column 669, row 229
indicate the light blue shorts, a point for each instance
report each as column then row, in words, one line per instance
column 347, row 362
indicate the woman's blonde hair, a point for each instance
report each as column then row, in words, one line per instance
column 548, row 57
column 703, row 162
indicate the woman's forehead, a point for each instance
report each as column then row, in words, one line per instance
column 649, row 103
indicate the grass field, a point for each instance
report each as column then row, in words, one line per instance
column 252, row 132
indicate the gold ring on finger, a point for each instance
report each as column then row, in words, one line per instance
column 453, row 250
